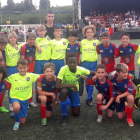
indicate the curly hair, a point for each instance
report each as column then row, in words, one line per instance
column 92, row 27
column 3, row 71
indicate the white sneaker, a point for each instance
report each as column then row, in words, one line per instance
column 100, row 118
column 32, row 104
column 10, row 107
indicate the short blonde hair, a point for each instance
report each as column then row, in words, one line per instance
column 13, row 34
column 41, row 28
column 121, row 67
column 49, row 65
column 92, row 27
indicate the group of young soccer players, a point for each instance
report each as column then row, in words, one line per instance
column 42, row 60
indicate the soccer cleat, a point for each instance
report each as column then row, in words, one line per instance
column 32, row 104
column 64, row 120
column 44, row 121
column 3, row 109
column 89, row 102
column 12, row 115
column 16, row 126
column 100, row 118
column 92, row 101
column 10, row 107
column 130, row 122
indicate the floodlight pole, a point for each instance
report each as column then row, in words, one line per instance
column 73, row 16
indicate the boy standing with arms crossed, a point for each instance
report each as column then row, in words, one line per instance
column 108, row 52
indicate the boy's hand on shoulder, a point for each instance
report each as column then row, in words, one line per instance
column 79, row 44
column 54, row 77
column 94, row 78
column 39, row 49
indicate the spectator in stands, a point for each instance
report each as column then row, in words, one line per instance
column 64, row 23
column 91, row 13
column 94, row 13
column 98, row 13
column 132, row 22
column 86, row 18
column 20, row 33
column 136, row 23
column 29, row 29
column 107, row 25
column 33, row 30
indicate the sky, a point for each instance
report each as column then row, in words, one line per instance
column 53, row 2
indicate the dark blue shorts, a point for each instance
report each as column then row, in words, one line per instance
column 112, row 106
column 58, row 64
column 120, row 107
column 11, row 70
column 74, row 98
column 23, row 106
column 48, row 103
column 90, row 66
column 39, row 66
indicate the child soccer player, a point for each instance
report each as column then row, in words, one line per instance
column 46, row 92
column 105, row 91
column 72, row 46
column 108, row 52
column 89, row 57
column 3, row 43
column 67, row 83
column 58, row 46
column 127, row 52
column 42, row 57
column 12, row 56
column 28, row 53
column 123, row 87
column 21, row 91
column 3, row 87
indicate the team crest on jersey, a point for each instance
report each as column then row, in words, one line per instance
column 30, row 59
column 64, row 43
column 94, row 44
column 125, row 86
column 27, row 51
column 121, row 51
column 16, row 48
column 105, row 89
column 130, row 50
column 2, row 62
column 48, row 38
column 28, row 79
column 106, row 60
column 101, row 50
column 68, row 48
column 3, row 87
column 78, row 75
column 127, row 59
column 111, row 51
column 53, row 86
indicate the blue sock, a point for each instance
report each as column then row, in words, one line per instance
column 69, row 103
column 16, row 115
column 64, row 108
column 87, row 86
column 90, row 91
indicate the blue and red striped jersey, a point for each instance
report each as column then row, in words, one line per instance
column 127, row 55
column 122, row 86
column 106, row 88
column 4, row 85
column 29, row 53
column 47, row 86
column 108, row 55
column 73, row 48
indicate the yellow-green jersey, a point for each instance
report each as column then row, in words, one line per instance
column 12, row 55
column 88, row 50
column 138, row 51
column 44, row 44
column 97, row 42
column 68, row 77
column 58, row 49
column 21, row 86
